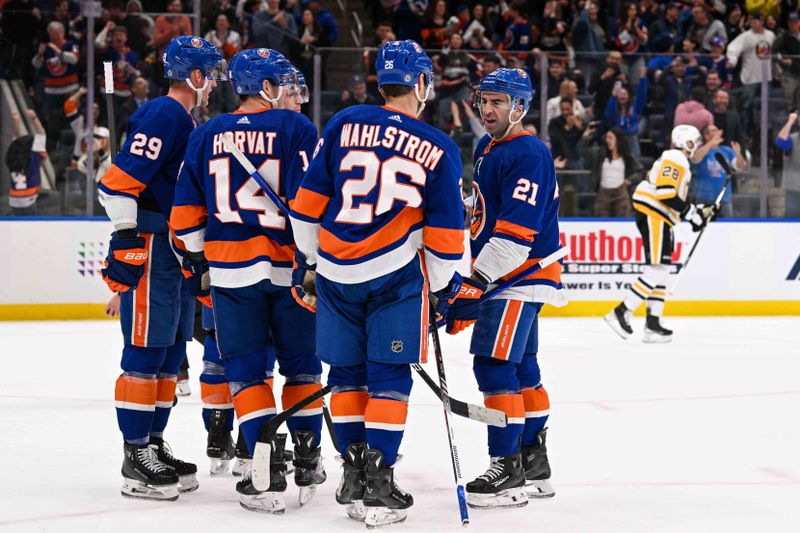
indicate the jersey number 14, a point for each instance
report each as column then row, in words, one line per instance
column 249, row 197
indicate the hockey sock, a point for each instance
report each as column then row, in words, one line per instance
column 640, row 290
column 167, row 379
column 214, row 391
column 310, row 417
column 348, row 402
column 655, row 302
column 387, row 408
column 535, row 398
column 497, row 380
column 255, row 405
column 136, row 391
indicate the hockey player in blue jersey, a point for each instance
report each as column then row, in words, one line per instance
column 379, row 207
column 237, row 236
column 137, row 193
column 514, row 224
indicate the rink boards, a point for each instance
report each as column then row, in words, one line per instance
column 742, row 267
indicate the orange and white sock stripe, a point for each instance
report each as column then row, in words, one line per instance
column 136, row 393
column 511, row 404
column 537, row 402
column 348, row 407
column 141, row 299
column 385, row 414
column 216, row 396
column 254, row 402
column 507, row 329
column 292, row 394
column 165, row 395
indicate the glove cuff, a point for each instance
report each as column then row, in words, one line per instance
column 127, row 234
column 480, row 277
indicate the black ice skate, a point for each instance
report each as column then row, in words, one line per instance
column 242, row 455
column 351, row 488
column 308, row 468
column 620, row 321
column 537, row 468
column 187, row 472
column 386, row 503
column 654, row 332
column 270, row 501
column 219, row 447
column 144, row 476
column 501, row 486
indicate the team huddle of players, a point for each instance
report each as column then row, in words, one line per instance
column 365, row 228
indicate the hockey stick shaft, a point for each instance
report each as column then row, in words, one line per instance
column 230, row 146
column 326, row 414
column 437, row 347
column 108, row 78
column 542, row 264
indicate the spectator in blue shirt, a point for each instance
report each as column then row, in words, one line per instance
column 624, row 112
column 709, row 176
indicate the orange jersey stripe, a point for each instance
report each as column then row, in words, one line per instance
column 215, row 393
column 118, row 180
column 166, row 389
column 507, row 329
column 61, row 82
column 240, row 251
column 350, row 403
column 514, row 230
column 141, row 299
column 253, row 399
column 130, row 389
column 387, row 235
column 187, row 216
column 294, row 393
column 425, row 311
column 551, row 272
column 536, row 399
column 310, row 203
column 511, row 404
column 385, row 411
column 442, row 240
column 19, row 193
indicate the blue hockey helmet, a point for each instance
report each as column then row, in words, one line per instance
column 514, row 82
column 301, row 85
column 401, row 63
column 249, row 69
column 185, row 53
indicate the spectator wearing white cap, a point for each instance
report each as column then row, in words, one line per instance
column 102, row 156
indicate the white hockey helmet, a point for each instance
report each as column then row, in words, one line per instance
column 686, row 137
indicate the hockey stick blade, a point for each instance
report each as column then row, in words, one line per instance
column 263, row 450
column 490, row 417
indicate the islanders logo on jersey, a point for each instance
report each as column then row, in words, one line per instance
column 263, row 52
column 478, row 217
column 522, row 73
column 196, row 42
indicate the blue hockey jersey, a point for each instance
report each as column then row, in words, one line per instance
column 221, row 210
column 382, row 186
column 515, row 208
column 146, row 168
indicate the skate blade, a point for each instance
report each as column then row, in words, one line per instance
column 219, row 467
column 306, row 494
column 265, row 502
column 239, row 467
column 539, row 489
column 357, row 511
column 651, row 337
column 261, row 459
column 132, row 488
column 505, row 499
column 611, row 320
column 383, row 516
column 188, row 483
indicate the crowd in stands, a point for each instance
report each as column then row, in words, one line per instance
column 619, row 74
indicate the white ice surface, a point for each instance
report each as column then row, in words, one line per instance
column 698, row 435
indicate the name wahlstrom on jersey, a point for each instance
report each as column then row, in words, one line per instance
column 356, row 135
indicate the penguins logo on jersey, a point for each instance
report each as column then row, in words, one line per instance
column 478, row 217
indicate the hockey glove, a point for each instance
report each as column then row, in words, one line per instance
column 698, row 215
column 125, row 262
column 444, row 297
column 195, row 269
column 463, row 311
column 304, row 282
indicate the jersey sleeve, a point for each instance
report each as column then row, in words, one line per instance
column 189, row 210
column 300, row 158
column 312, row 198
column 443, row 233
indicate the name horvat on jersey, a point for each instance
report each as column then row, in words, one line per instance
column 248, row 142
column 404, row 143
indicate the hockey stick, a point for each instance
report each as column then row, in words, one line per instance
column 263, row 448
column 542, row 264
column 475, row 412
column 724, row 163
column 437, row 348
column 108, row 76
